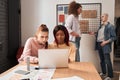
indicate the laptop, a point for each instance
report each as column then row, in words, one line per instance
column 53, row 58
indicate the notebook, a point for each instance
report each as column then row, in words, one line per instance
column 53, row 58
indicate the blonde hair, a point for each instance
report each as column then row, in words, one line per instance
column 106, row 14
column 42, row 28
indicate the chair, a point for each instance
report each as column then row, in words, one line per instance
column 19, row 52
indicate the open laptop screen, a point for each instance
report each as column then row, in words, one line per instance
column 53, row 58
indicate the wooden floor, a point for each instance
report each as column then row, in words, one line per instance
column 116, row 68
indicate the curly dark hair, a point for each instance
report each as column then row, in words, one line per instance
column 72, row 9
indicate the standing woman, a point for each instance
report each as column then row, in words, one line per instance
column 39, row 41
column 73, row 27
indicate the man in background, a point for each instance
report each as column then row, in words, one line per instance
column 104, row 38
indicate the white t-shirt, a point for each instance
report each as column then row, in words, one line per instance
column 72, row 24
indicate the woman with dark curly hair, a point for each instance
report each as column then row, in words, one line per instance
column 72, row 25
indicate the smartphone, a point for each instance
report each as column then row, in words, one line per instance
column 22, row 72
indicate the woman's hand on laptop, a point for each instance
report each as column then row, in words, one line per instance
column 35, row 60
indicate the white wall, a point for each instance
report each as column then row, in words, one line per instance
column 87, row 50
column 35, row 12
column 30, row 18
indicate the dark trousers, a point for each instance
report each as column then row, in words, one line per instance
column 105, row 61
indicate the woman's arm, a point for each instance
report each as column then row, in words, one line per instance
column 28, row 53
column 72, row 52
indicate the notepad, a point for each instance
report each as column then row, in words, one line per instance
column 70, row 78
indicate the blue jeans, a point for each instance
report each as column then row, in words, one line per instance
column 77, row 44
column 105, row 61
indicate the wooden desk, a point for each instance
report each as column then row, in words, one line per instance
column 85, row 70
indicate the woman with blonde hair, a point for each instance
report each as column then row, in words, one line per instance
column 39, row 41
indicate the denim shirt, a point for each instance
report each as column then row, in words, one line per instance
column 109, row 34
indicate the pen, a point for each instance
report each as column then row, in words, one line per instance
column 25, row 79
column 37, row 68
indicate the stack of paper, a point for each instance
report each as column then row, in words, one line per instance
column 42, row 74
column 70, row 78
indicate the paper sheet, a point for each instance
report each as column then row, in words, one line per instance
column 11, row 75
column 44, row 74
column 70, row 78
